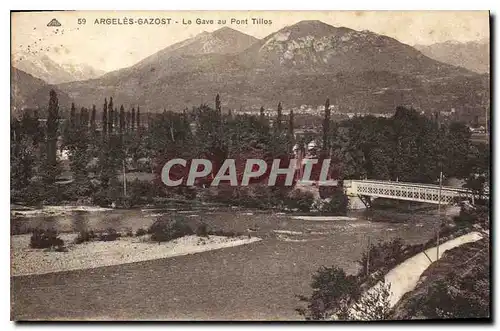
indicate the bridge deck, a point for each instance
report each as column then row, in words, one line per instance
column 407, row 191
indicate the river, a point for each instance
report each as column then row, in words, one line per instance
column 255, row 281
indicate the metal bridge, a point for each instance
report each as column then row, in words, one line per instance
column 409, row 191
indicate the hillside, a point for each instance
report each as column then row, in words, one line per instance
column 41, row 66
column 456, row 286
column 474, row 56
column 31, row 92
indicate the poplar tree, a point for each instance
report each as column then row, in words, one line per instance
column 138, row 118
column 92, row 118
column 116, row 123
column 105, row 117
column 72, row 116
column 132, row 125
column 52, row 126
column 326, row 126
column 122, row 119
column 218, row 107
column 278, row 118
column 111, row 115
column 127, row 121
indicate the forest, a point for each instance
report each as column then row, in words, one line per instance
column 102, row 145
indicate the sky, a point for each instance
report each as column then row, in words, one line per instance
column 91, row 37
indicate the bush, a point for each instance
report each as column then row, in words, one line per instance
column 385, row 256
column 85, row 236
column 374, row 305
column 140, row 232
column 470, row 216
column 45, row 239
column 109, row 235
column 333, row 289
column 169, row 229
column 202, row 230
column 336, row 204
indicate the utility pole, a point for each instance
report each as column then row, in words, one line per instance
column 368, row 258
column 439, row 212
column 124, row 180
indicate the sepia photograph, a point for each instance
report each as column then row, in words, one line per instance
column 250, row 166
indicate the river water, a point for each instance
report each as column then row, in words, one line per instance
column 255, row 281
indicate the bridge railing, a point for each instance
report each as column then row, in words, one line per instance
column 407, row 191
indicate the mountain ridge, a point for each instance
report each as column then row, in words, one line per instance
column 300, row 64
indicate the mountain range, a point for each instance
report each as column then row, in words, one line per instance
column 473, row 55
column 301, row 64
column 28, row 91
column 42, row 66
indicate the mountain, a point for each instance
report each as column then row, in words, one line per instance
column 316, row 46
column 81, row 71
column 188, row 55
column 31, row 92
column 302, row 64
column 473, row 55
column 43, row 67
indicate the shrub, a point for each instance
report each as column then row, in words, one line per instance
column 140, row 232
column 373, row 305
column 336, row 204
column 85, row 236
column 169, row 229
column 333, row 289
column 301, row 200
column 384, row 256
column 45, row 239
column 202, row 230
column 109, row 235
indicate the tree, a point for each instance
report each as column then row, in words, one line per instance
column 72, row 116
column 111, row 115
column 122, row 119
column 52, row 126
column 333, row 289
column 290, row 131
column 261, row 114
column 326, row 127
column 132, row 126
column 279, row 119
column 105, row 118
column 138, row 118
column 127, row 120
column 93, row 119
column 218, row 107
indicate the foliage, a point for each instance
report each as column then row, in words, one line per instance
column 373, row 305
column 336, row 204
column 85, row 236
column 140, row 232
column 202, row 230
column 166, row 229
column 470, row 216
column 332, row 291
column 45, row 239
column 301, row 200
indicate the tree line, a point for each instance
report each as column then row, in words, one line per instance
column 100, row 147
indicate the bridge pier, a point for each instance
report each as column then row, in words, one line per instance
column 356, row 203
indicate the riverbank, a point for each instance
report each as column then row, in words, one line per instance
column 88, row 255
column 445, row 289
